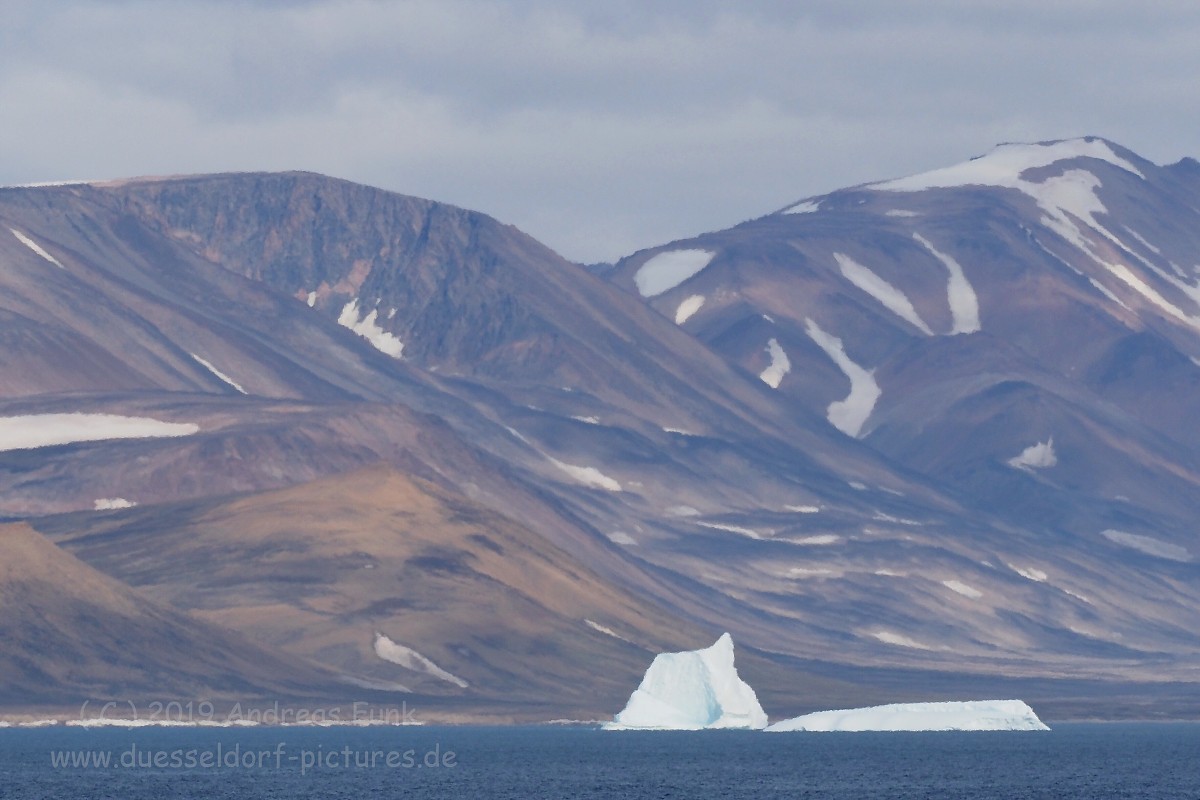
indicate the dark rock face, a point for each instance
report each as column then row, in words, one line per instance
column 937, row 425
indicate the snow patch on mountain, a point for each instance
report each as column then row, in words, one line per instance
column 687, row 308
column 665, row 271
column 1104, row 290
column 596, row 626
column 35, row 247
column 113, row 503
column 369, row 329
column 899, row 640
column 679, row 431
column 31, row 431
column 1148, row 545
column 819, row 539
column 721, row 526
column 851, row 414
column 1067, row 201
column 963, row 589
column 588, row 476
column 970, row 715
column 683, row 511
column 1036, row 456
column 1004, row 165
column 888, row 295
column 1028, row 573
column 1129, row 278
column 692, row 690
column 807, row 207
column 964, row 304
column 780, row 365
column 410, row 659
column 813, row 572
column 1142, row 241
column 221, row 375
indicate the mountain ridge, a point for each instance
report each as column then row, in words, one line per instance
column 813, row 439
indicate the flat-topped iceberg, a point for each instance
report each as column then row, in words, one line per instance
column 690, row 691
column 972, row 715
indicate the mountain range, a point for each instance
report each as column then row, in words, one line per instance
column 905, row 441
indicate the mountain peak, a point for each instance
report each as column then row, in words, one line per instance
column 1008, row 162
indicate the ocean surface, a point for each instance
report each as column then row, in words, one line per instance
column 1073, row 761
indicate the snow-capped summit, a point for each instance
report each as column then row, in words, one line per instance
column 953, row 321
column 1007, row 163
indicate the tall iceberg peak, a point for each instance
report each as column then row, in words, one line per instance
column 692, row 690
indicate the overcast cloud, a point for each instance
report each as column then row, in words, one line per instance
column 598, row 127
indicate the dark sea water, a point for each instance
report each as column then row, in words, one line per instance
column 1073, row 761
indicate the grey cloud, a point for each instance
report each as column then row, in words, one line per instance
column 598, row 127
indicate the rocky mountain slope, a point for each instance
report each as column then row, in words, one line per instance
column 926, row 433
column 1022, row 330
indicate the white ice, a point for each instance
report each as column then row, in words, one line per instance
column 851, row 414
column 623, row 538
column 964, row 304
column 221, row 375
column 692, row 690
column 588, row 476
column 802, row 509
column 113, row 503
column 410, row 659
column 369, row 329
column 970, row 715
column 780, row 365
column 688, row 307
column 35, row 247
column 1148, row 545
column 48, row 430
column 1036, row 456
column 311, row 299
column 888, row 295
column 667, row 270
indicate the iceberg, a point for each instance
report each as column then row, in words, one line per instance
column 972, row 715
column 692, row 690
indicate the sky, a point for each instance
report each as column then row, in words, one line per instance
column 598, row 127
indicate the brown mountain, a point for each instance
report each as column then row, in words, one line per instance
column 71, row 633
column 803, row 440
